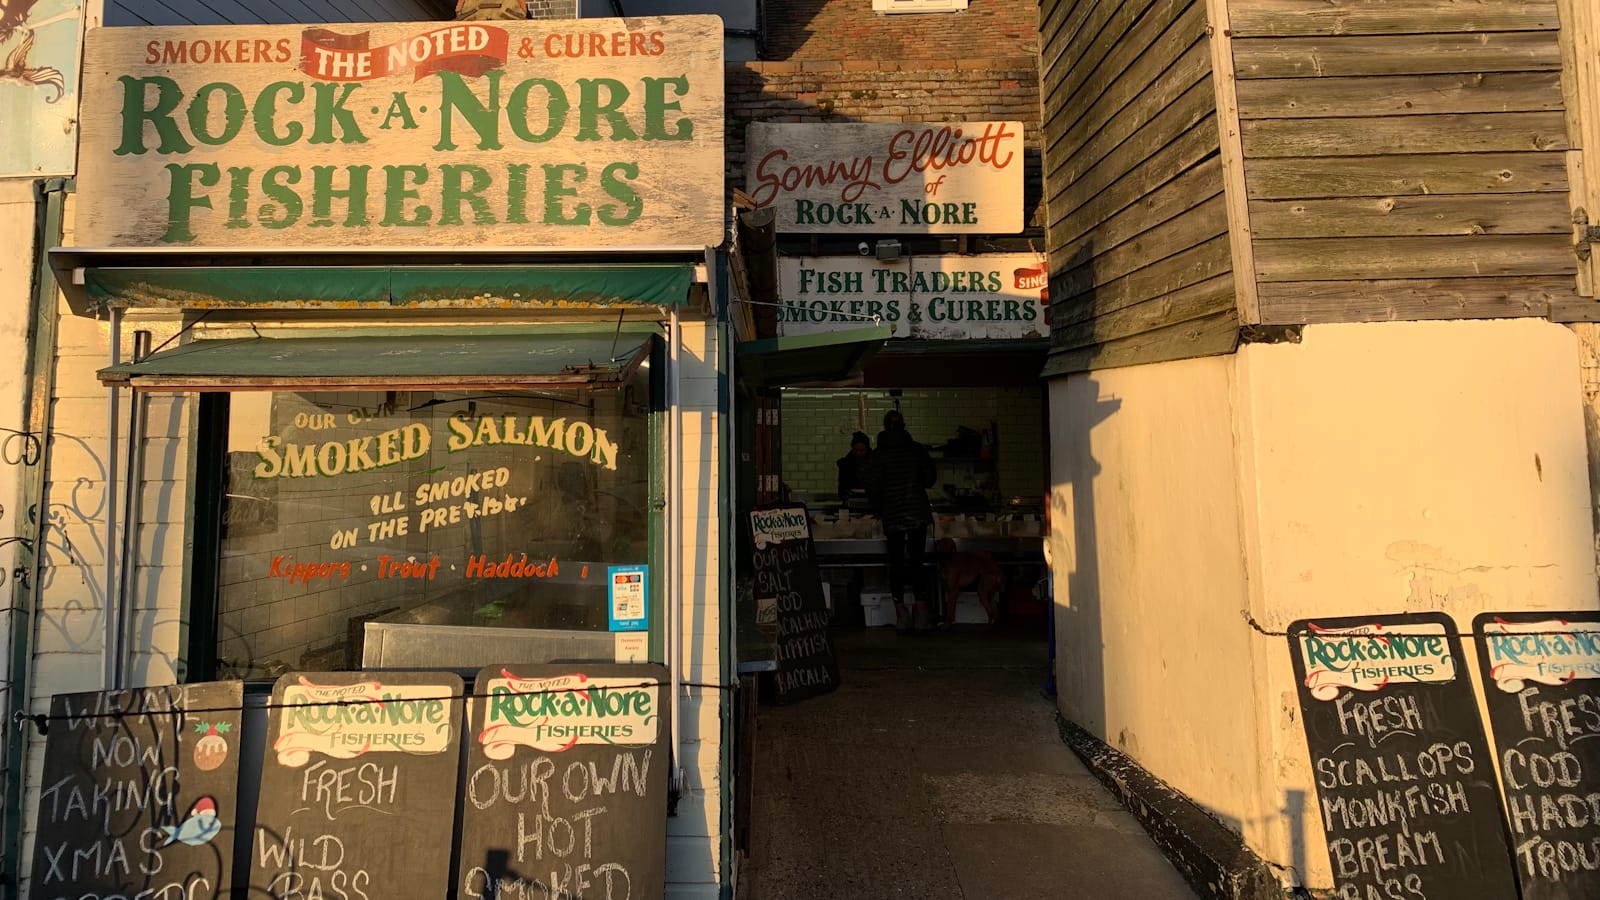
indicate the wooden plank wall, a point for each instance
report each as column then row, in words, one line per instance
column 1404, row 159
column 1138, row 235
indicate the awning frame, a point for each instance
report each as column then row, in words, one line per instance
column 96, row 280
column 302, row 363
column 855, row 344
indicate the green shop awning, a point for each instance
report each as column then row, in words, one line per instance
column 394, row 361
column 385, row 287
column 801, row 358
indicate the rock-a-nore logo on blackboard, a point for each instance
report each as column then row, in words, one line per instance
column 787, row 582
column 1371, row 656
column 1406, row 789
column 1544, row 650
column 1541, row 673
column 566, row 783
column 554, row 714
column 358, row 786
column 349, row 720
column 774, row 526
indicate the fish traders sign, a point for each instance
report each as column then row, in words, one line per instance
column 511, row 134
column 983, row 296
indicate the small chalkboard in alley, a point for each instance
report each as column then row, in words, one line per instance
column 1404, row 775
column 358, row 786
column 1541, row 683
column 566, row 782
column 788, row 583
column 139, row 792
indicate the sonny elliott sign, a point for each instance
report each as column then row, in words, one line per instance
column 996, row 295
column 510, row 134
column 852, row 178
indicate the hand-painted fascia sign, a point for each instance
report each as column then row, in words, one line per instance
column 587, row 133
column 987, row 296
column 865, row 178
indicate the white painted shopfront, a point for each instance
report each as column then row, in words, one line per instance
column 440, row 342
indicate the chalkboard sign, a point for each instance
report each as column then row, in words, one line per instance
column 358, row 786
column 566, row 782
column 1541, row 683
column 788, row 584
column 1404, row 775
column 139, row 793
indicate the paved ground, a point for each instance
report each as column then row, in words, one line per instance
column 936, row 771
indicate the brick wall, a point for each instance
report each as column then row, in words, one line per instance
column 831, row 29
column 552, row 9
column 944, row 89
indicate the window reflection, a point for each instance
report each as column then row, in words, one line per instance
column 489, row 509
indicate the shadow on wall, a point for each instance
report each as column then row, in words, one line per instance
column 1080, row 663
column 1076, row 408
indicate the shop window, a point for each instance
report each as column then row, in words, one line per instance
column 342, row 513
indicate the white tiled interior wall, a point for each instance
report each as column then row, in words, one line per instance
column 817, row 425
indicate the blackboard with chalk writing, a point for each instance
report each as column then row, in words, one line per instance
column 1541, row 684
column 1405, row 781
column 358, row 786
column 566, row 782
column 138, row 793
column 784, row 563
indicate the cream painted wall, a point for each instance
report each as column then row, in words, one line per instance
column 694, row 835
column 1407, row 467
column 1371, row 468
column 18, row 214
column 1152, row 652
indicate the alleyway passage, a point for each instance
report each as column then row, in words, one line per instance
column 936, row 771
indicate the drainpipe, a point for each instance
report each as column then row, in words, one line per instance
column 138, row 406
column 38, row 385
column 674, row 592
column 726, row 602
column 111, row 664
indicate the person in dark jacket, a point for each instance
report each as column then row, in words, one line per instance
column 898, row 478
column 853, row 467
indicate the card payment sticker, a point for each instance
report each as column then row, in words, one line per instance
column 629, row 587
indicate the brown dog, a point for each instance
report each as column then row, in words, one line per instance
column 974, row 569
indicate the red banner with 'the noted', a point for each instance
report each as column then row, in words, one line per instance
column 468, row 49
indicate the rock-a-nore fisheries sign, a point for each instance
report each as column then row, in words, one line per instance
column 868, row 178
column 508, row 134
